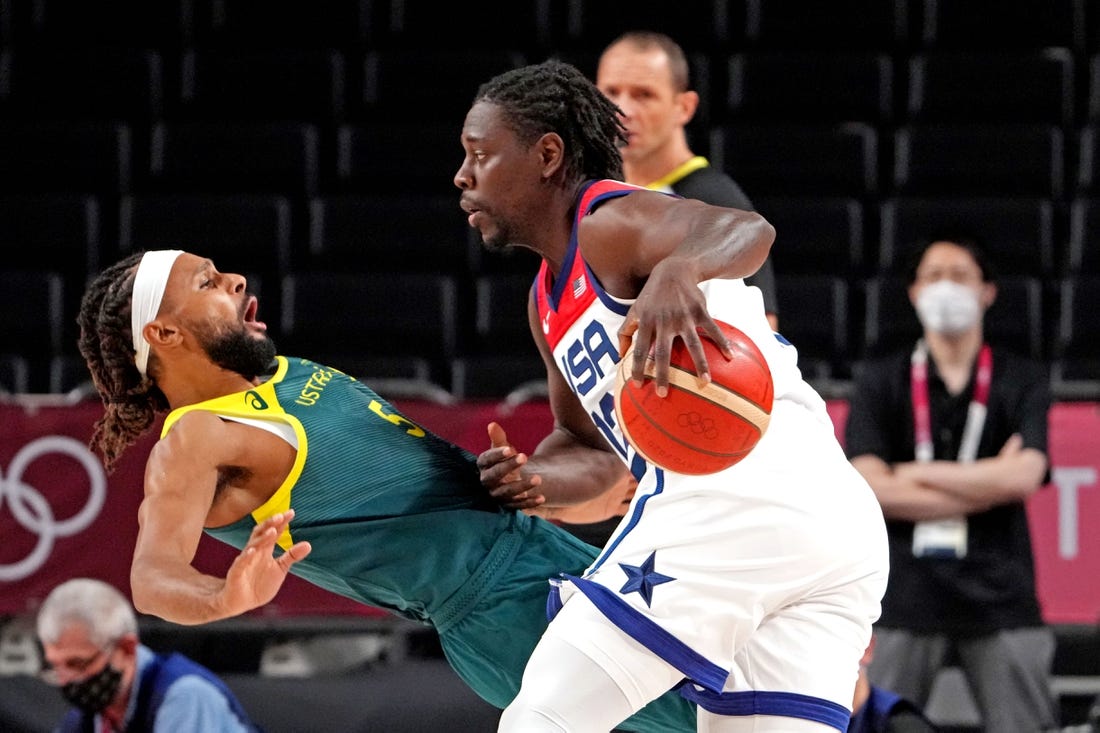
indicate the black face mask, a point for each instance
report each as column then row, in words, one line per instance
column 94, row 693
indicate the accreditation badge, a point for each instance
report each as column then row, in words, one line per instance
column 943, row 538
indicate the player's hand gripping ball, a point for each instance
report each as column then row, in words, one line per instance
column 699, row 427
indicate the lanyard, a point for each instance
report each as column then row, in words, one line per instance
column 975, row 414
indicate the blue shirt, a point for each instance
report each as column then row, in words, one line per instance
column 191, row 704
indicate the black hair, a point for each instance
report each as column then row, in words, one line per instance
column 554, row 96
column 131, row 401
column 960, row 239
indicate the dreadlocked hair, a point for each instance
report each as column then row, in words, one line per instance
column 555, row 97
column 131, row 401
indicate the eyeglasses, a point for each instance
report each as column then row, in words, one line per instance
column 72, row 667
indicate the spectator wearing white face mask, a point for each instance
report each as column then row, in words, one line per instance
column 952, row 436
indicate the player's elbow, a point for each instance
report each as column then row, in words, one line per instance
column 143, row 600
column 765, row 229
column 142, row 588
column 762, row 236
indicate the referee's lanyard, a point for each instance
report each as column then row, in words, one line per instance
column 946, row 537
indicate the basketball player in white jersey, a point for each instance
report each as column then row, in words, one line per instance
column 753, row 590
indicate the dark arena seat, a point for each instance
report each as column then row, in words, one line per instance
column 391, row 233
column 829, row 87
column 500, row 358
column 798, row 159
column 851, row 25
column 85, row 157
column 815, row 319
column 1076, row 351
column 815, row 235
column 234, row 157
column 1019, row 230
column 303, row 84
column 1083, row 253
column 1011, row 159
column 413, row 159
column 32, row 327
column 1035, row 86
column 339, row 317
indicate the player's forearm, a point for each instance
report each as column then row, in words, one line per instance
column 178, row 593
column 733, row 244
column 613, row 502
column 572, row 471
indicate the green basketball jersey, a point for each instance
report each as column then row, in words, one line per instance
column 398, row 519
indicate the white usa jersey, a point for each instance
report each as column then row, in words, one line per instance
column 580, row 321
column 699, row 561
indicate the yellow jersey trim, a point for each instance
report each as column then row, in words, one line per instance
column 260, row 403
column 679, row 172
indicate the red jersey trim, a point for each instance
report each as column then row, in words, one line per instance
column 561, row 302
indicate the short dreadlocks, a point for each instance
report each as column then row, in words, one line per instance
column 555, row 97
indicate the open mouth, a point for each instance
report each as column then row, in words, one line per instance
column 250, row 310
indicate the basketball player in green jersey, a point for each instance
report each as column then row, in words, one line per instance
column 263, row 451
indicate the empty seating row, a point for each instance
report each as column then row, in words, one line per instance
column 296, row 159
column 269, row 235
column 933, row 159
column 1029, row 86
column 76, row 234
column 291, row 158
column 545, row 24
column 318, row 85
column 416, row 327
column 173, row 24
column 330, row 86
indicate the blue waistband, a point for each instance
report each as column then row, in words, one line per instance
column 783, row 704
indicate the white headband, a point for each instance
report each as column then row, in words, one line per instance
column 149, row 283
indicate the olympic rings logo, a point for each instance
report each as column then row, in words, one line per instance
column 33, row 512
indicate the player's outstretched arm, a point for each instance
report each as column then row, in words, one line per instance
column 180, row 482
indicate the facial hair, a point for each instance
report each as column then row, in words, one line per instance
column 239, row 352
column 500, row 238
column 496, row 242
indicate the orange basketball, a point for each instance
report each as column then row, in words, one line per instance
column 698, row 428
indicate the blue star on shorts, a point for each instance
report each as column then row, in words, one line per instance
column 643, row 579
